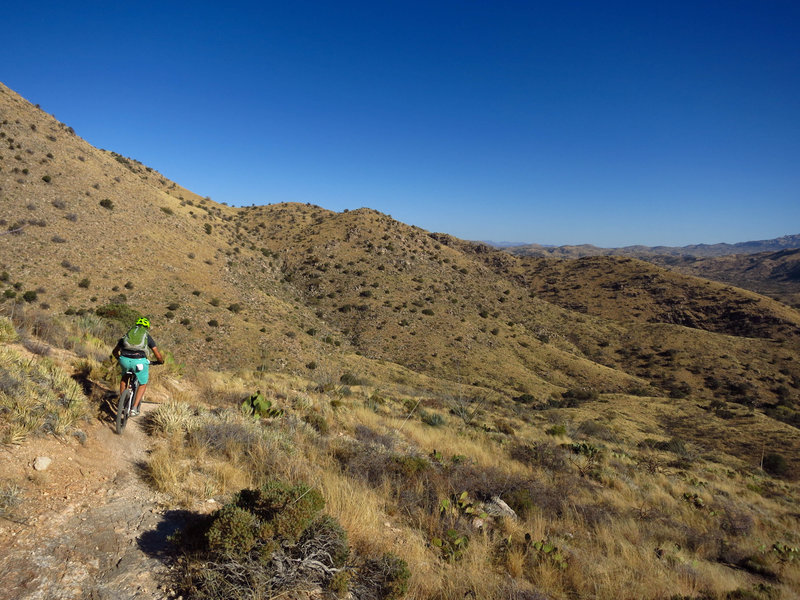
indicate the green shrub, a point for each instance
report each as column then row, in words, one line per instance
column 432, row 419
column 233, row 531
column 524, row 399
column 318, row 422
column 556, row 430
column 8, row 333
column 385, row 578
column 107, row 204
column 775, row 464
column 46, row 178
column 264, row 543
column 122, row 313
column 84, row 283
column 350, row 379
column 29, row 296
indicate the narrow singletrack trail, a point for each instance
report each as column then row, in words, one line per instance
column 89, row 526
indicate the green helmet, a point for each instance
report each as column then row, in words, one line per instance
column 143, row 321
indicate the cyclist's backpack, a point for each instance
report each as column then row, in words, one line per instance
column 136, row 338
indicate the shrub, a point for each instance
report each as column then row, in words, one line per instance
column 107, row 204
column 598, row 430
column 432, row 419
column 213, row 323
column 46, row 178
column 84, row 283
column 385, row 578
column 118, row 312
column 524, row 399
column 7, row 331
column 556, row 430
column 318, row 422
column 775, row 464
column 576, row 396
column 264, row 543
column 29, row 296
column 350, row 379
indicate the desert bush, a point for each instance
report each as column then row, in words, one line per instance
column 576, row 396
column 431, row 418
column 171, row 417
column 8, row 333
column 541, row 454
column 775, row 464
column 318, row 422
column 107, row 204
column 556, row 430
column 524, row 399
column 266, row 542
column 10, row 497
column 120, row 312
column 597, row 430
column 350, row 379
column 385, row 578
column 37, row 397
column 367, row 435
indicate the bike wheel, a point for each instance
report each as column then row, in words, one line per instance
column 123, row 406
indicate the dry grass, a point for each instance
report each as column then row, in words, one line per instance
column 410, row 316
column 37, row 397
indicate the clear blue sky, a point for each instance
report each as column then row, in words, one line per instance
column 604, row 122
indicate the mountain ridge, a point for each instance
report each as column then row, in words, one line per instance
column 697, row 250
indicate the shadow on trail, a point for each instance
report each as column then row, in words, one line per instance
column 156, row 543
column 104, row 399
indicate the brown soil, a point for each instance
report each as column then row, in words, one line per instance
column 89, row 526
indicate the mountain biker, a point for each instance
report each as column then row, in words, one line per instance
column 131, row 350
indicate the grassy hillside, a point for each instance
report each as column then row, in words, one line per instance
column 639, row 420
column 776, row 274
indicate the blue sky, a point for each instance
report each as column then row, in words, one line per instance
column 610, row 122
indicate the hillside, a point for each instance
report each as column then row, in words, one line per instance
column 300, row 289
column 775, row 274
column 623, row 410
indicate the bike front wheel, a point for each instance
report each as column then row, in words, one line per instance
column 123, row 407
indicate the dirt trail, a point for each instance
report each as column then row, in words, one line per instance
column 89, row 526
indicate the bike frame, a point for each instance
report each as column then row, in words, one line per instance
column 126, row 398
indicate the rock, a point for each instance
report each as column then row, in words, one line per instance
column 497, row 508
column 41, row 463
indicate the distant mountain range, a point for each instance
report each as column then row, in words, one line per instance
column 786, row 242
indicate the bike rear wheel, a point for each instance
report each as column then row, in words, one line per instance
column 123, row 407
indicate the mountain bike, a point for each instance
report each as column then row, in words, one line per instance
column 127, row 396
